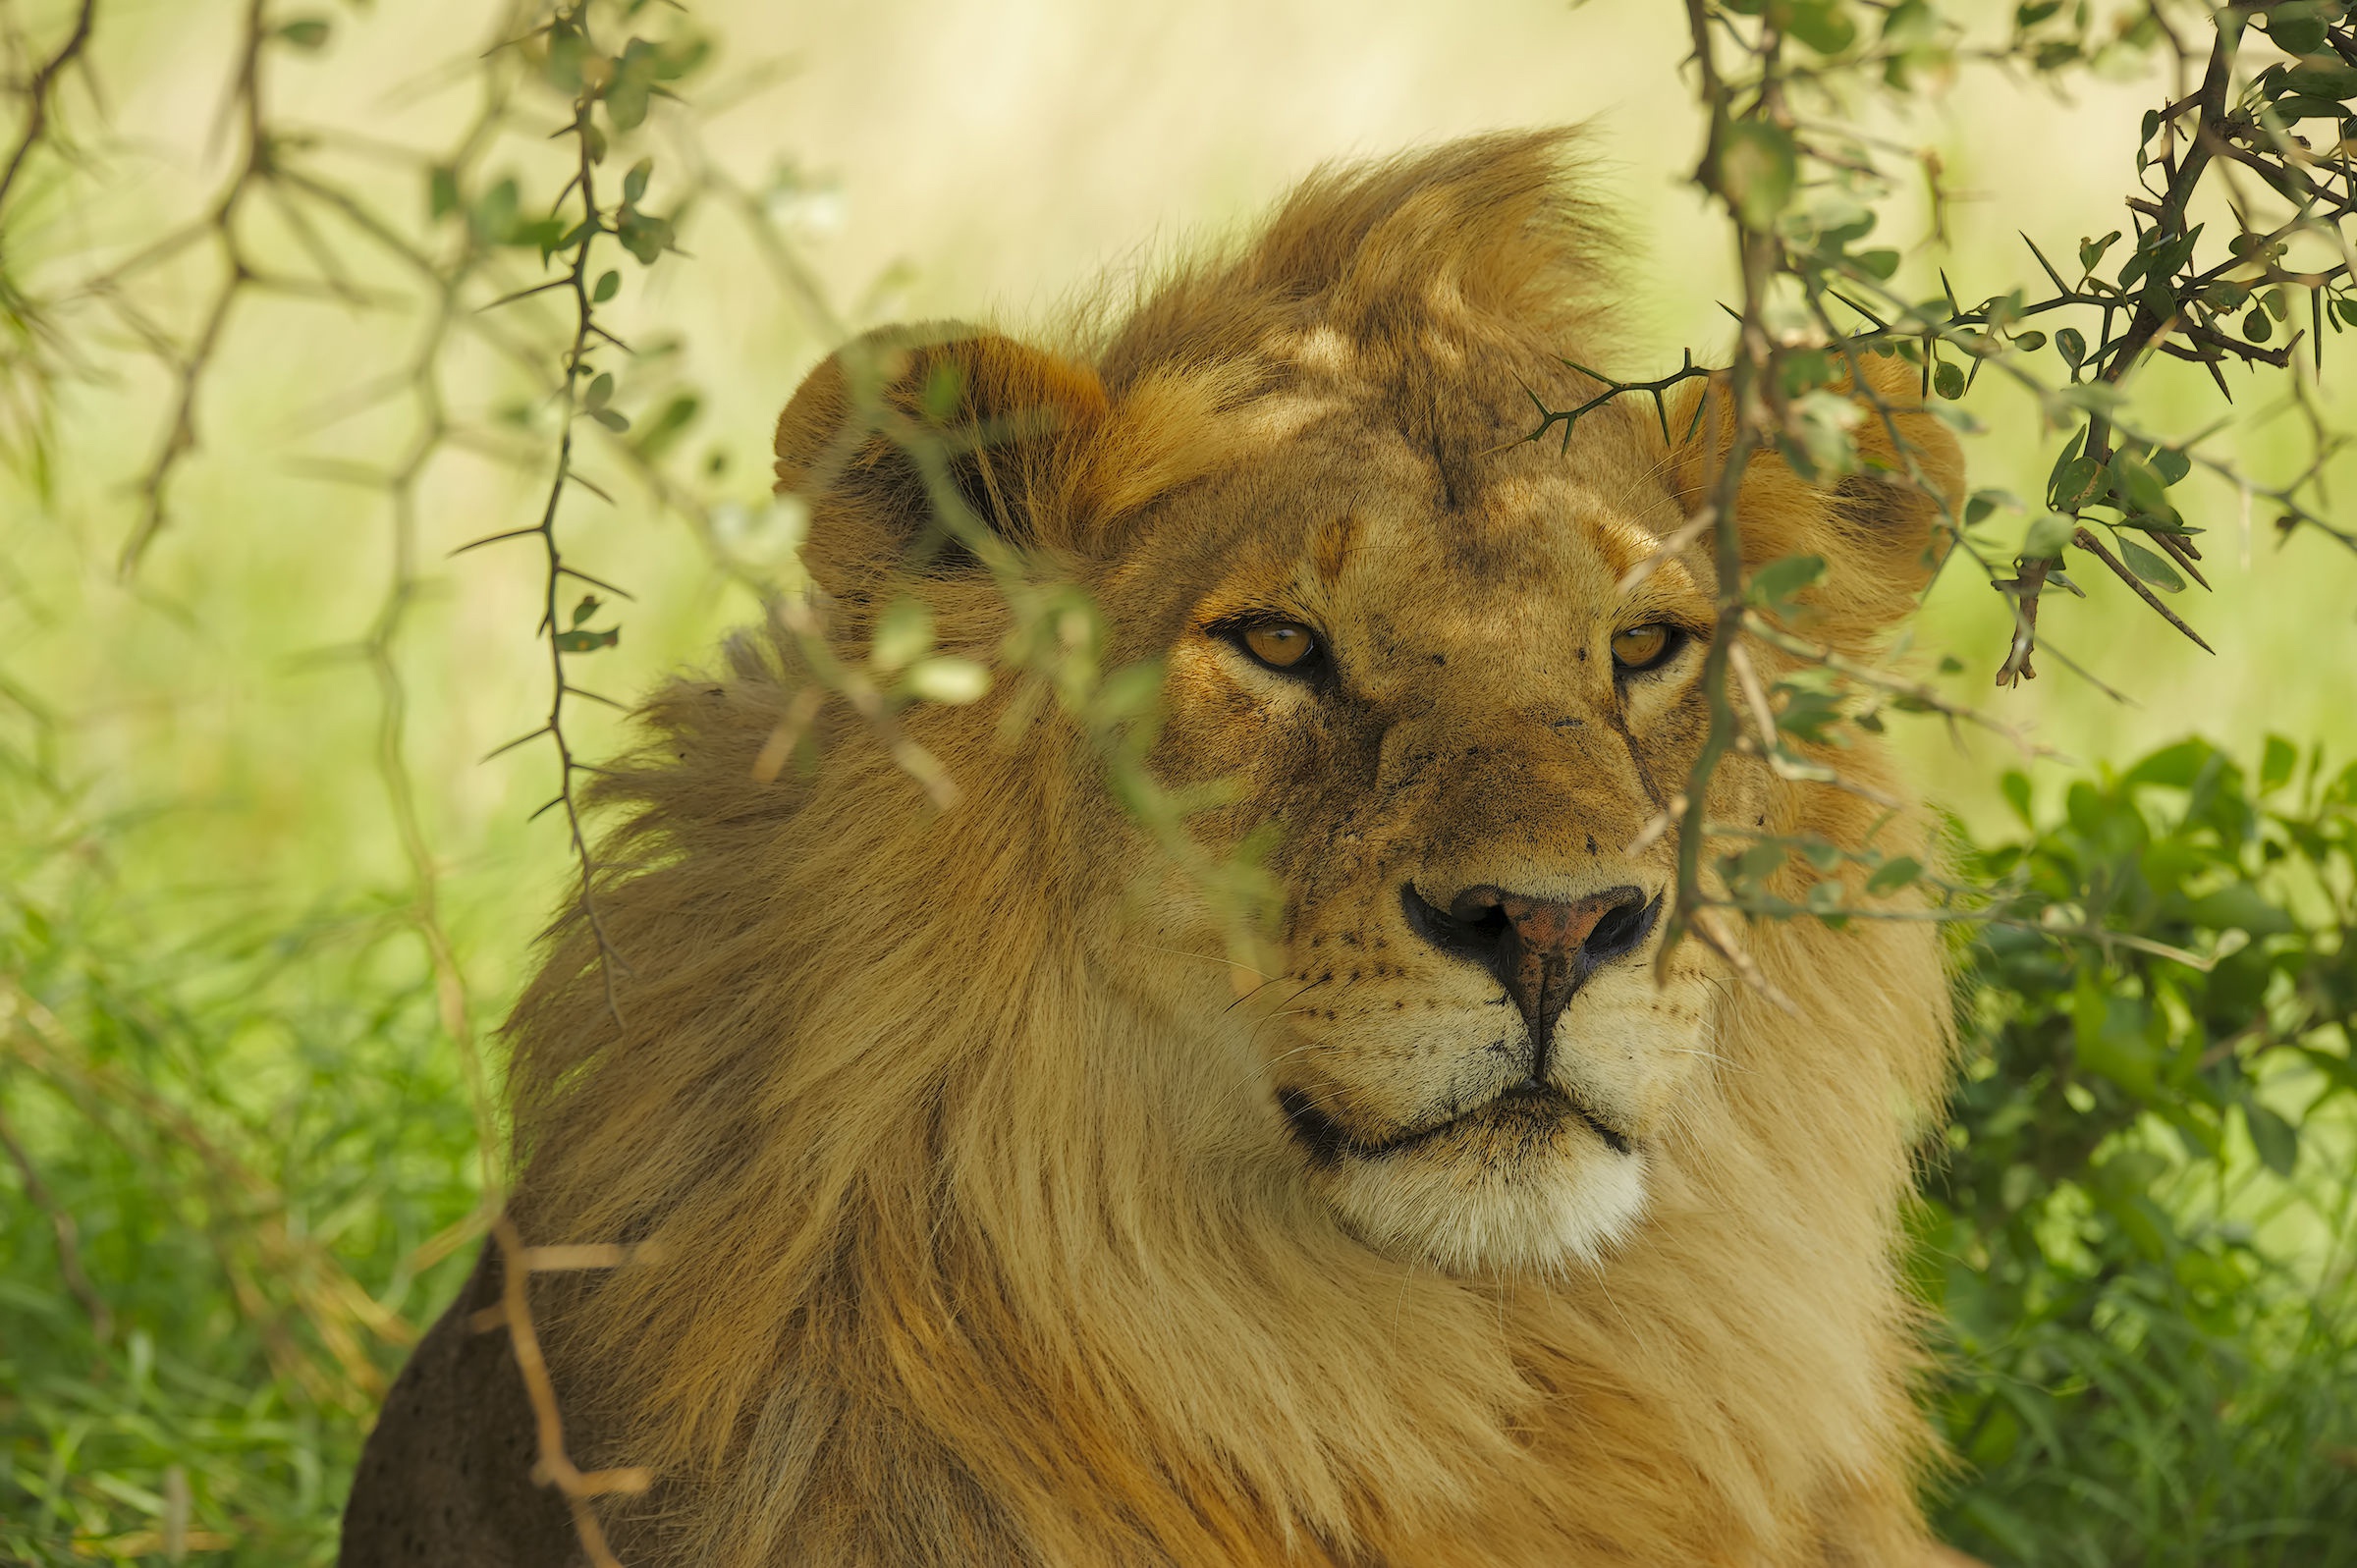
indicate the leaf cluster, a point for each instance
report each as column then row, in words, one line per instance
column 2091, row 1231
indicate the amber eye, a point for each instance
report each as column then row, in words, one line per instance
column 1281, row 644
column 1644, row 647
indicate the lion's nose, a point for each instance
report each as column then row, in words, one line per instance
column 1541, row 949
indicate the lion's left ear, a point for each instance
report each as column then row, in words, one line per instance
column 1875, row 528
column 902, row 423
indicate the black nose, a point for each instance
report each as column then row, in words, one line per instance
column 1541, row 949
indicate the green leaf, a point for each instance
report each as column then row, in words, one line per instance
column 568, row 52
column 1825, row 25
column 1894, row 874
column 2322, row 76
column 2173, row 767
column 441, row 192
column 606, row 289
column 600, row 393
column 2170, row 464
column 2014, row 785
column 2049, row 535
column 644, row 235
column 2276, row 1140
column 2240, row 906
column 610, row 420
column 1756, row 865
column 307, row 33
column 948, row 680
column 1881, row 263
column 2108, row 1038
column 904, row 634
column 2257, row 327
column 655, row 437
column 1773, row 585
column 1808, row 715
column 2074, row 482
column 2301, row 107
column 494, row 214
column 2071, row 345
column 2275, row 766
column 1949, row 381
column 634, row 81
column 2296, row 28
column 581, row 640
column 633, row 183
column 585, row 609
column 1130, row 692
column 2136, row 481
column 1758, row 168
column 2151, row 567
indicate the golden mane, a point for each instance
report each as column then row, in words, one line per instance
column 950, row 1272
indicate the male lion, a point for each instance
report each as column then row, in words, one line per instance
column 985, row 1220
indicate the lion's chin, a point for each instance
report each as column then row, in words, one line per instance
column 1505, row 1195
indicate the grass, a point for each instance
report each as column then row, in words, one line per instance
column 257, row 1130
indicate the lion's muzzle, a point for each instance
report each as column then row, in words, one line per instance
column 1542, row 950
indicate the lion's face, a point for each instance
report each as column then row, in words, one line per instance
column 1429, row 682
column 1394, row 632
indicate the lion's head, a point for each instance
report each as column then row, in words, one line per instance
column 988, row 1105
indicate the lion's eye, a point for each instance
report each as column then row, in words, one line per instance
column 1281, row 644
column 1645, row 647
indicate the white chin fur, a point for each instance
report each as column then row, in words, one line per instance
column 1536, row 1217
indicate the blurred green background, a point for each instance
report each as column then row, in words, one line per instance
column 235, row 1067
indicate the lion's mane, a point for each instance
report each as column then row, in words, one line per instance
column 940, row 1277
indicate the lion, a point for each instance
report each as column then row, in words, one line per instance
column 992, row 1205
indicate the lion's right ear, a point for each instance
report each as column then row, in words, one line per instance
column 906, row 433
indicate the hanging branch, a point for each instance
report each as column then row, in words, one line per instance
column 1799, row 187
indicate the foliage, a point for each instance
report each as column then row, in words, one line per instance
column 1798, row 157
column 2152, row 1113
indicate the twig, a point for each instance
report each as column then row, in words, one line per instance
column 37, row 94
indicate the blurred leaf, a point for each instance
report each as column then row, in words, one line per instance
column 309, row 33
column 1773, row 586
column 948, row 680
column 1758, row 168
column 1898, row 872
column 904, row 634
column 2276, row 1140
column 2049, row 535
column 1825, row 25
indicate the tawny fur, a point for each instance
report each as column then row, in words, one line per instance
column 982, row 1237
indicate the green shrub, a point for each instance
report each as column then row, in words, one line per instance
column 2140, row 1235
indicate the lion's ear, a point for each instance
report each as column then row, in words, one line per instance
column 1875, row 528
column 905, row 424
